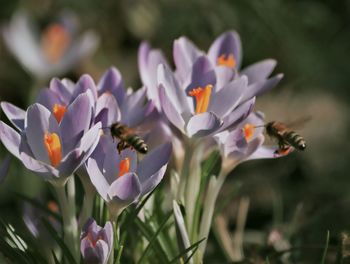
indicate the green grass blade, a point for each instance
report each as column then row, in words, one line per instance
column 183, row 253
column 65, row 250
column 323, row 260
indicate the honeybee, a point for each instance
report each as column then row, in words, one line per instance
column 287, row 138
column 127, row 138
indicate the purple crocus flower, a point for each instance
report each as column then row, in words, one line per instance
column 196, row 107
column 57, row 50
column 96, row 242
column 245, row 142
column 50, row 148
column 119, row 178
column 225, row 54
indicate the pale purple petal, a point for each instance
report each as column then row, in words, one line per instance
column 97, row 178
column 170, row 111
column 175, row 93
column 259, row 71
column 15, row 114
column 112, row 82
column 62, row 90
column 76, row 121
column 258, row 88
column 202, row 74
column 228, row 98
column 48, row 98
column 102, row 249
column 85, row 83
column 224, row 75
column 203, row 124
column 151, row 169
column 185, row 54
column 265, row 152
column 10, row 138
column 107, row 101
column 39, row 121
column 226, row 44
column 109, row 233
column 126, row 189
column 90, row 140
column 238, row 115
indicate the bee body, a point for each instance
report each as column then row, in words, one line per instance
column 128, row 138
column 286, row 138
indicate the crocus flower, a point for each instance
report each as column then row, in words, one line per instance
column 225, row 54
column 245, row 142
column 119, row 178
column 51, row 148
column 96, row 242
column 57, row 49
column 196, row 107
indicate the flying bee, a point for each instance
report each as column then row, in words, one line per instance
column 127, row 138
column 286, row 137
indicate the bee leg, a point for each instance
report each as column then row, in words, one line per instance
column 120, row 146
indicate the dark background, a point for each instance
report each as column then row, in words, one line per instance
column 304, row 194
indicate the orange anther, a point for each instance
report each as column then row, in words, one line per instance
column 124, row 166
column 248, row 131
column 202, row 96
column 53, row 147
column 58, row 111
column 228, row 61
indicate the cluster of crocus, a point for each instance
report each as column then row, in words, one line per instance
column 206, row 103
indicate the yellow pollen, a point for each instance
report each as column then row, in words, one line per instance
column 228, row 61
column 248, row 131
column 124, row 166
column 54, row 42
column 58, row 111
column 53, row 147
column 202, row 96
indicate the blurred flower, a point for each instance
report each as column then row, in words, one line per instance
column 50, row 148
column 96, row 242
column 119, row 178
column 55, row 51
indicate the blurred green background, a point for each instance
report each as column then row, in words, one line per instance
column 302, row 195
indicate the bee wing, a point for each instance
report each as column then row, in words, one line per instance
column 300, row 122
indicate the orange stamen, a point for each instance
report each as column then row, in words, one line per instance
column 202, row 98
column 92, row 240
column 52, row 206
column 58, row 111
column 284, row 151
column 124, row 166
column 248, row 131
column 55, row 41
column 53, row 147
column 228, row 61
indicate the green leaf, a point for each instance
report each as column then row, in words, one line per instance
column 323, row 260
column 183, row 253
column 212, row 165
column 55, row 258
column 153, row 240
column 65, row 250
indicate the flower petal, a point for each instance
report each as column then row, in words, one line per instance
column 170, row 111
column 151, row 169
column 203, row 124
column 48, row 98
column 62, row 90
column 224, row 75
column 228, row 98
column 258, row 88
column 85, row 83
column 107, row 101
column 10, row 138
column 202, row 74
column 15, row 114
column 112, row 81
column 39, row 121
column 185, row 54
column 227, row 43
column 75, row 122
column 125, row 189
column 259, row 71
column 97, row 178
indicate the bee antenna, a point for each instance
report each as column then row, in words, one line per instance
column 260, row 126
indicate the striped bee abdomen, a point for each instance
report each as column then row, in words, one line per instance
column 138, row 143
column 295, row 140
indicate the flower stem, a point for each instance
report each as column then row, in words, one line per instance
column 67, row 206
column 88, row 202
